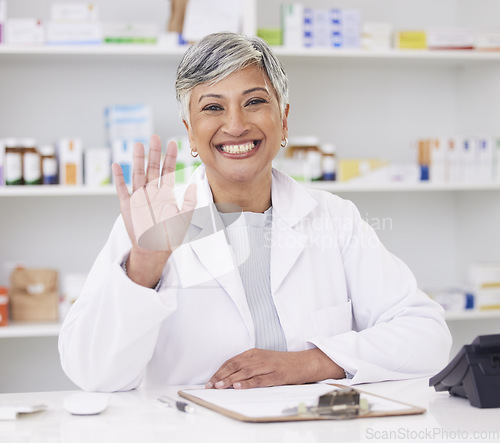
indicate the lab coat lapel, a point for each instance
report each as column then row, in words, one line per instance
column 208, row 243
column 291, row 203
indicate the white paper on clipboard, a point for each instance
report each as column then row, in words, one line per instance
column 268, row 404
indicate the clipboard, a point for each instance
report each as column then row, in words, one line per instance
column 264, row 405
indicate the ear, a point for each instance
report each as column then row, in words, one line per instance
column 285, row 121
column 190, row 133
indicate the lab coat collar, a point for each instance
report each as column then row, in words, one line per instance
column 289, row 210
column 208, row 241
column 208, row 256
column 291, row 204
column 291, row 201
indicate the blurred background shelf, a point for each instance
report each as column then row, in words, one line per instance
column 174, row 53
column 55, row 191
column 473, row 315
column 51, row 329
column 75, row 191
column 31, row 329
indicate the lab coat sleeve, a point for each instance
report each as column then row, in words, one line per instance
column 398, row 331
column 110, row 333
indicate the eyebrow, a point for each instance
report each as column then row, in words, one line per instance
column 248, row 91
column 258, row 88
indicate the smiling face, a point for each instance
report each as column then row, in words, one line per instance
column 237, row 127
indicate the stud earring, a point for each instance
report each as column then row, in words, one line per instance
column 284, row 143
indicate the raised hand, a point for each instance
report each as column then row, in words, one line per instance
column 154, row 222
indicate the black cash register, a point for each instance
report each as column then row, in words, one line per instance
column 474, row 373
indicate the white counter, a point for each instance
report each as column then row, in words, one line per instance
column 138, row 417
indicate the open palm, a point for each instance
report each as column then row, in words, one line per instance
column 153, row 220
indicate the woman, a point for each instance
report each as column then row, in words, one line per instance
column 295, row 289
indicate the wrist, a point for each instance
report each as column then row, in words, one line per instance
column 323, row 367
column 145, row 267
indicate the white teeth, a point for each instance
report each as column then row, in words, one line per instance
column 238, row 149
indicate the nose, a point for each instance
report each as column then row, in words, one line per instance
column 235, row 123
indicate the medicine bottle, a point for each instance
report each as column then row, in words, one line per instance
column 314, row 170
column 49, row 165
column 306, row 158
column 4, row 306
column 424, row 159
column 329, row 162
column 32, row 163
column 13, row 168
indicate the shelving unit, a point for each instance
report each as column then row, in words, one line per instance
column 55, row 191
column 335, row 187
column 22, row 330
column 473, row 315
column 27, row 330
column 343, row 187
column 175, row 52
column 370, row 104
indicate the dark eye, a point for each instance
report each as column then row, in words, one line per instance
column 212, row 108
column 256, row 101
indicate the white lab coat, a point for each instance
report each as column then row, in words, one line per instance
column 335, row 287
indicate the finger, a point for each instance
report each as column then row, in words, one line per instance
column 259, row 381
column 154, row 159
column 247, row 375
column 123, row 198
column 230, row 367
column 138, row 176
column 121, row 186
column 168, row 170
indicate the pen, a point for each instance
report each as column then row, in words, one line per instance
column 180, row 405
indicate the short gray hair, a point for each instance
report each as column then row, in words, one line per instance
column 218, row 55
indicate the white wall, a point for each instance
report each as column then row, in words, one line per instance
column 31, row 365
column 65, row 233
column 371, row 108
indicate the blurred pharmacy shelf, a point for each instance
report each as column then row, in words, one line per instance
column 54, row 191
column 30, row 329
column 174, row 53
column 401, row 187
column 440, row 56
column 84, row 52
column 472, row 315
column 105, row 49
